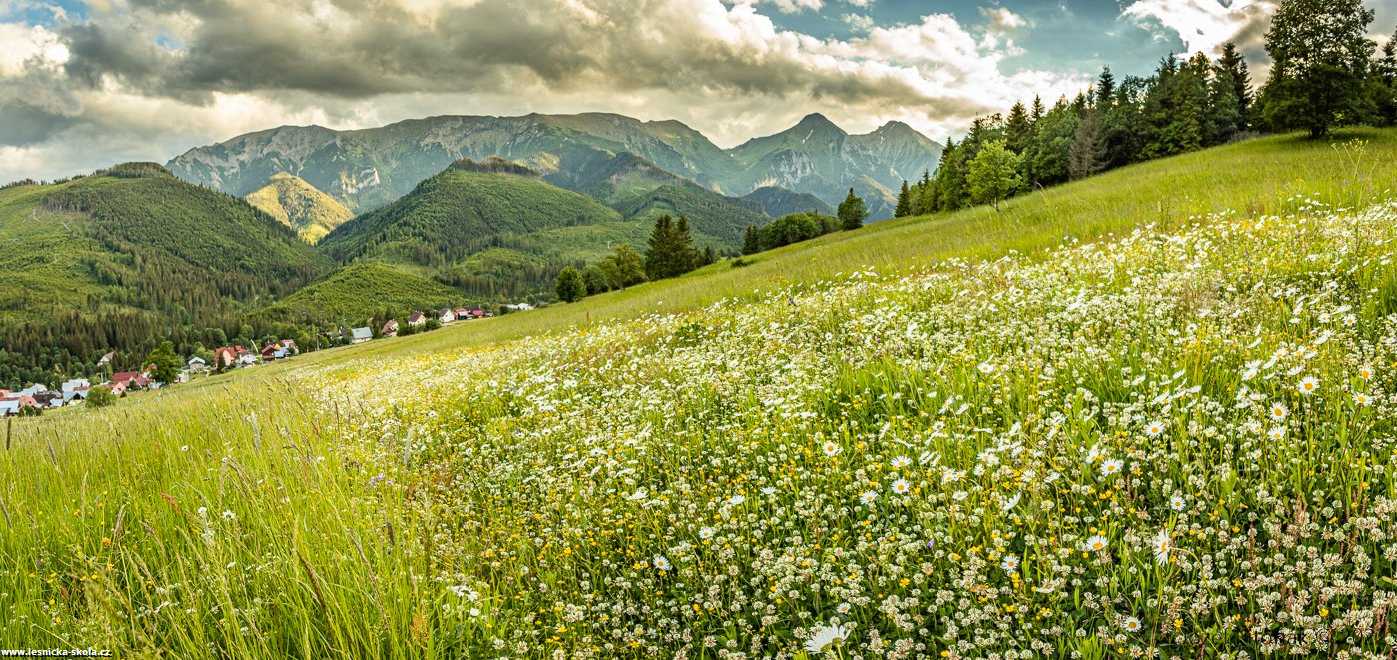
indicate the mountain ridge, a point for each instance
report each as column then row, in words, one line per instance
column 371, row 167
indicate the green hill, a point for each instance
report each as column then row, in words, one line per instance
column 300, row 206
column 777, row 202
column 985, row 403
column 354, row 293
column 716, row 220
column 115, row 259
column 465, row 209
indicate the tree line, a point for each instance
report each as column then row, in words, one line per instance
column 1325, row 72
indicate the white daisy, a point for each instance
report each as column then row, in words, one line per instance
column 1131, row 624
column 661, row 563
column 901, row 462
column 1154, row 429
column 1176, row 503
column 1111, row 466
column 868, row 496
column 1096, row 543
column 824, row 636
column 1163, row 545
column 1279, row 412
column 832, row 449
column 1308, row 385
column 902, row 486
column 1010, row 563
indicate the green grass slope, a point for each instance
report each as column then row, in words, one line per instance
column 300, row 206
column 465, row 209
column 435, row 494
column 359, row 290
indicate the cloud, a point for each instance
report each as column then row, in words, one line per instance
column 1204, row 25
column 171, row 75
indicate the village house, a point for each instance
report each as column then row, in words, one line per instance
column 227, row 357
column 390, row 329
column 462, row 314
column 289, row 345
column 196, row 365
column 76, row 389
column 417, row 320
column 13, row 404
column 125, row 381
column 446, row 316
column 518, row 307
column 361, row 335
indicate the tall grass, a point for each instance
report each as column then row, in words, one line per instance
column 114, row 520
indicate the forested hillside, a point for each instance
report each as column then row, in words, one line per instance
column 115, row 260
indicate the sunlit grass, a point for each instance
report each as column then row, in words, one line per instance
column 344, row 535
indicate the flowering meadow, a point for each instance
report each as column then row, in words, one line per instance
column 1160, row 444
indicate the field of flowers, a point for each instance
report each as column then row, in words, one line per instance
column 1161, row 444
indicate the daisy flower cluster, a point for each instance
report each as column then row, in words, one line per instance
column 1164, row 444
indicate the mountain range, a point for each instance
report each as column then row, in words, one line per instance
column 370, row 168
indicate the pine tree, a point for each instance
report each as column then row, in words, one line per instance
column 1320, row 53
column 751, row 244
column 1105, row 89
column 1038, row 110
column 1235, row 67
column 904, row 202
column 852, row 211
column 1017, row 129
column 1087, row 155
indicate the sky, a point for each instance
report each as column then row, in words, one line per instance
column 85, row 84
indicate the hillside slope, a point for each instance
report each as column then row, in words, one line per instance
column 465, row 209
column 1073, row 359
column 115, row 259
column 352, row 294
column 300, row 206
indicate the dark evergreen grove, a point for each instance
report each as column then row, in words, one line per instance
column 1325, row 73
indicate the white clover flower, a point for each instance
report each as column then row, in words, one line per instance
column 824, row 636
column 1308, row 385
column 228, row 515
column 985, row 368
column 902, row 486
column 706, row 533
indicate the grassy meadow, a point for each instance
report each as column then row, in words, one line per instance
column 1146, row 414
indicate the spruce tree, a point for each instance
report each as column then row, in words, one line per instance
column 1105, row 89
column 852, row 211
column 751, row 244
column 904, row 202
column 1234, row 66
column 1018, row 129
